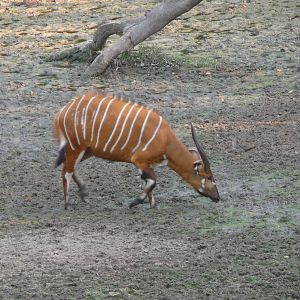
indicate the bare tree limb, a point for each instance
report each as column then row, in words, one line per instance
column 131, row 33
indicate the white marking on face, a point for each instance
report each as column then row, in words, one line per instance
column 75, row 119
column 203, row 182
column 165, row 157
column 201, row 190
column 85, row 115
column 131, row 127
column 103, row 119
column 65, row 127
column 115, row 127
column 154, row 134
column 95, row 117
column 142, row 131
column 124, row 124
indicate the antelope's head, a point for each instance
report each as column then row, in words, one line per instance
column 203, row 179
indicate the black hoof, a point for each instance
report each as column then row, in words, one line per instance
column 83, row 193
column 70, row 206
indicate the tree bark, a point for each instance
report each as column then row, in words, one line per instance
column 131, row 33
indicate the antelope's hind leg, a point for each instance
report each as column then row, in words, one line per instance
column 83, row 193
column 68, row 172
column 66, row 177
column 82, row 188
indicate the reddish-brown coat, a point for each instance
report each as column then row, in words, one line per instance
column 119, row 130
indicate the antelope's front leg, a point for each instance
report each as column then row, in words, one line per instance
column 151, row 200
column 148, row 176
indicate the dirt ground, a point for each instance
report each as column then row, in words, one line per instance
column 231, row 68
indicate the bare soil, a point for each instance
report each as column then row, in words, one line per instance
column 231, row 68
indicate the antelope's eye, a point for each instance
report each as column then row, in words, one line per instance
column 210, row 178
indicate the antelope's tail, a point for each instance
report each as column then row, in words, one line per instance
column 61, row 139
column 61, row 156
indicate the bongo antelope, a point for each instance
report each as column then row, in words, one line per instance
column 119, row 130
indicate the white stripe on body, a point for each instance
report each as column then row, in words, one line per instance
column 142, row 131
column 123, row 127
column 103, row 119
column 65, row 116
column 82, row 118
column 85, row 115
column 116, row 125
column 154, row 134
column 75, row 119
column 132, row 124
column 95, row 117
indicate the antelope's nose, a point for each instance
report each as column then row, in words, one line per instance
column 216, row 197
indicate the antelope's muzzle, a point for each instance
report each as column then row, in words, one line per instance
column 215, row 197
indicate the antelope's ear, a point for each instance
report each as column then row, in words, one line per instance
column 197, row 165
column 195, row 153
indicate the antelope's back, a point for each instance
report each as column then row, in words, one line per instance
column 110, row 126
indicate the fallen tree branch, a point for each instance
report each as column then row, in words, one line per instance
column 131, row 33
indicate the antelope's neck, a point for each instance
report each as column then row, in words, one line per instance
column 179, row 158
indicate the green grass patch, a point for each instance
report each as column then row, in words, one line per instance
column 112, row 291
column 225, row 220
column 261, row 84
column 199, row 62
column 154, row 57
column 232, row 219
column 284, row 183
